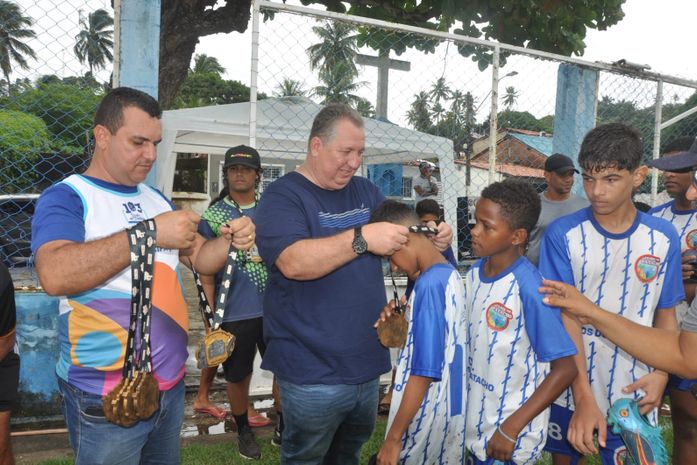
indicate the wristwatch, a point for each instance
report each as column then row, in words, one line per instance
column 359, row 245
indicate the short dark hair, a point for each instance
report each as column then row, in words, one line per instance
column 681, row 144
column 395, row 212
column 519, row 202
column 110, row 110
column 325, row 122
column 612, row 145
column 428, row 207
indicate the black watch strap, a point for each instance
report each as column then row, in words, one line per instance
column 359, row 245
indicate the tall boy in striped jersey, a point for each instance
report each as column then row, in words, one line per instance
column 624, row 261
column 519, row 354
column 427, row 417
column 681, row 212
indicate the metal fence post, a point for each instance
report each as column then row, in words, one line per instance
column 493, row 116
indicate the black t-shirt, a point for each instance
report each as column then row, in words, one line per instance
column 8, row 312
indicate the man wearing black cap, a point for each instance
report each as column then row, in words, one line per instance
column 244, row 307
column 556, row 201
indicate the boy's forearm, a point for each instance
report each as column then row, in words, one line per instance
column 563, row 371
column 414, row 393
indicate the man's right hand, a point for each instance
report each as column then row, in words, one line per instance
column 586, row 419
column 384, row 238
column 176, row 229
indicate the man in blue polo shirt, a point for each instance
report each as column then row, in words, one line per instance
column 325, row 291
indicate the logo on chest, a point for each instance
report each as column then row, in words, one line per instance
column 691, row 239
column 498, row 316
column 133, row 212
column 646, row 267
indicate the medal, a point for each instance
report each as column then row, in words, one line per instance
column 393, row 331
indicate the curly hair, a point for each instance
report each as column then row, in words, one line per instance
column 395, row 212
column 519, row 202
column 428, row 207
column 612, row 145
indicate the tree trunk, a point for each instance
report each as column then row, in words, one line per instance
column 182, row 22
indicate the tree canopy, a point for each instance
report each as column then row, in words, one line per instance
column 14, row 29
column 550, row 25
column 25, row 137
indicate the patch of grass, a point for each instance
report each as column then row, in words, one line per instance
column 226, row 453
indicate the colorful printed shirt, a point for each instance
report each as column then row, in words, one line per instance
column 93, row 325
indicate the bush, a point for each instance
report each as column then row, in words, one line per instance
column 23, row 138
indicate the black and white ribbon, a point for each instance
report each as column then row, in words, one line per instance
column 213, row 319
column 142, row 240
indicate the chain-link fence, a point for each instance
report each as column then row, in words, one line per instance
column 56, row 61
column 436, row 97
column 429, row 97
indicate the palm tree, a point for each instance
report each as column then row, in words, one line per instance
column 14, row 26
column 440, row 91
column 339, row 86
column 510, row 98
column 419, row 114
column 207, row 64
column 290, row 88
column 337, row 47
column 94, row 42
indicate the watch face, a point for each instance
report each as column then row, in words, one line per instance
column 360, row 245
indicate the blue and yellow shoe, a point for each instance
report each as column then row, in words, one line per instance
column 644, row 442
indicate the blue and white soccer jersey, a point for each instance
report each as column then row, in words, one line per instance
column 435, row 348
column 511, row 338
column 631, row 274
column 685, row 222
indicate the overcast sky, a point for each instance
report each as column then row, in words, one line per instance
column 660, row 34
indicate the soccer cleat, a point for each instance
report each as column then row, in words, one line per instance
column 644, row 442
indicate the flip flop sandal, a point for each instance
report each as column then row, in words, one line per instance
column 213, row 411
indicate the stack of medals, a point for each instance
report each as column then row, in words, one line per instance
column 217, row 345
column 137, row 396
column 393, row 331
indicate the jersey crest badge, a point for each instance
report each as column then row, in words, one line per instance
column 691, row 239
column 646, row 267
column 498, row 316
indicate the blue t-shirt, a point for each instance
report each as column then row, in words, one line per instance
column 320, row 331
column 245, row 298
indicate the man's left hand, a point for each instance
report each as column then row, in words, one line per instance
column 241, row 232
column 444, row 238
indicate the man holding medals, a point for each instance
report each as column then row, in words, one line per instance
column 244, row 304
column 103, row 240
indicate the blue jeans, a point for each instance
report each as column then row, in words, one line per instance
column 97, row 441
column 327, row 424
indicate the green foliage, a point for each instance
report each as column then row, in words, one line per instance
column 522, row 120
column 290, row 88
column 66, row 109
column 445, row 112
column 203, row 89
column 550, row 25
column 207, row 64
column 14, row 28
column 93, row 44
column 24, row 137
